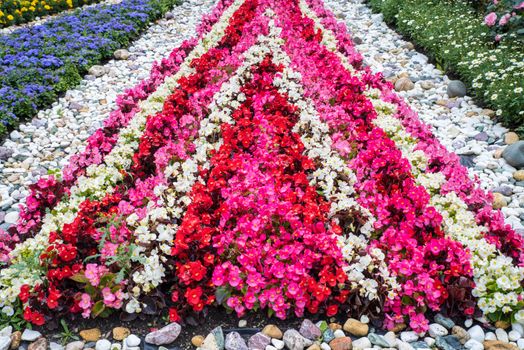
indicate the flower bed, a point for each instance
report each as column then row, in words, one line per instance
column 22, row 11
column 261, row 167
column 456, row 37
column 39, row 63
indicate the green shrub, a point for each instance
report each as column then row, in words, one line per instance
column 453, row 34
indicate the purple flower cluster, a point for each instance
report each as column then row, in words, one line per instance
column 39, row 63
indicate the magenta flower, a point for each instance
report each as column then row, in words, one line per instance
column 490, row 19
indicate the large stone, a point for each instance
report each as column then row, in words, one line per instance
column 472, row 344
column 121, row 54
column 76, row 345
column 356, row 328
column 6, row 331
column 210, row 343
column 510, row 138
column 498, row 345
column 444, row 321
column 234, row 341
column 461, row 334
column 164, row 335
column 40, row 344
column 499, row 201
column 5, row 153
column 476, row 332
column 295, row 341
column 502, row 335
column 97, row 71
column 197, row 340
column 519, row 175
column 12, row 218
column 362, row 344
column 514, row 154
column 5, row 342
column 16, row 339
column 456, row 88
column 259, row 341
column 409, row 336
column 219, row 336
column 120, row 333
column 379, row 340
column 57, row 346
column 343, row 343
column 132, row 341
column 30, row 335
column 404, row 84
column 309, row 330
column 92, row 334
column 272, row 331
column 328, row 335
column 437, row 330
column 103, row 344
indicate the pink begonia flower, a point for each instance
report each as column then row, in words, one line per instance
column 504, row 19
column 85, row 303
column 490, row 19
column 519, row 6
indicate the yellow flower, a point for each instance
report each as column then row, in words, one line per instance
column 47, row 7
column 10, row 17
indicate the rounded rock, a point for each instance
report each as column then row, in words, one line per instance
column 197, row 340
column 132, row 340
column 120, row 333
column 272, row 331
column 103, row 344
column 356, row 328
column 343, row 343
column 456, row 88
column 404, row 84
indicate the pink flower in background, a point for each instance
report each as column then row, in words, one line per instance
column 504, row 19
column 519, row 6
column 490, row 19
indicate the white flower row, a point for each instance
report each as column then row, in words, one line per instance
column 497, row 278
column 99, row 179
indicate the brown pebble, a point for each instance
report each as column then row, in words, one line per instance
column 197, row 340
column 334, row 326
column 272, row 331
column 120, row 333
column 92, row 334
column 342, row 343
column 16, row 338
column 39, row 344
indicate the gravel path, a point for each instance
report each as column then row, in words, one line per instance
column 47, row 142
column 460, row 125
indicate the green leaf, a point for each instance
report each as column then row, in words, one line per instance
column 98, row 308
column 79, row 277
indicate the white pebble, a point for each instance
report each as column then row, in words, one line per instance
column 491, row 336
column 339, row 333
column 132, row 340
column 361, row 344
column 242, row 323
column 520, row 343
column 501, row 335
column 477, row 333
column 468, row 323
column 30, row 335
column 472, row 344
column 325, row 346
column 437, row 330
column 409, row 336
column 103, row 344
column 514, row 335
column 277, row 343
column 430, row 341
